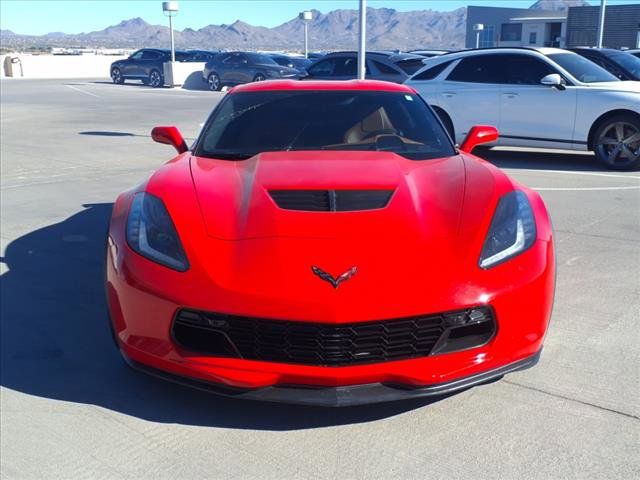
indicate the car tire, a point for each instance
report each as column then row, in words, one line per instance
column 213, row 81
column 616, row 142
column 116, row 76
column 155, row 79
column 446, row 121
column 259, row 78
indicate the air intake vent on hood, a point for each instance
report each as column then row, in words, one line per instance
column 331, row 200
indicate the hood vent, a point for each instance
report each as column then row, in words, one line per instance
column 331, row 200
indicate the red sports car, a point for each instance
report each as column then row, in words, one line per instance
column 326, row 243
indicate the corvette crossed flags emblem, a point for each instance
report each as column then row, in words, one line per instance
column 335, row 282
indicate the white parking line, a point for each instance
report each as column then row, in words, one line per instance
column 82, row 91
column 582, row 189
column 567, row 172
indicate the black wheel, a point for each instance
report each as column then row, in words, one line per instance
column 214, row 82
column 616, row 142
column 446, row 121
column 155, row 79
column 259, row 78
column 116, row 76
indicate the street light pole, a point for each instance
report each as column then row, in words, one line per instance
column 170, row 9
column 173, row 44
column 306, row 17
column 478, row 28
column 363, row 40
column 603, row 7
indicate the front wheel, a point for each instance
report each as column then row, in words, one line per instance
column 116, row 76
column 213, row 81
column 259, row 78
column 617, row 142
column 155, row 79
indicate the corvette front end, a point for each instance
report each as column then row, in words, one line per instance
column 330, row 278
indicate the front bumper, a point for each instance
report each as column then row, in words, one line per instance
column 343, row 396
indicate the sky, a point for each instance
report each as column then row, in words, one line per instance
column 76, row 16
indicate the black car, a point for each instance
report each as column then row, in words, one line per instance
column 299, row 63
column 622, row 64
column 147, row 65
column 201, row 55
column 388, row 66
column 234, row 68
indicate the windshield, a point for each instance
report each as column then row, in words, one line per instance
column 582, row 69
column 261, row 59
column 628, row 62
column 252, row 122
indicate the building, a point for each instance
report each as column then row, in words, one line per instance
column 621, row 26
column 516, row 27
column 521, row 27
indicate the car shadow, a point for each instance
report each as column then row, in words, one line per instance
column 55, row 341
column 195, row 82
column 541, row 159
column 106, row 133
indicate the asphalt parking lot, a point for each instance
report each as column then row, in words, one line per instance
column 71, row 408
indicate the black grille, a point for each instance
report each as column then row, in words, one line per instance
column 327, row 344
column 331, row 200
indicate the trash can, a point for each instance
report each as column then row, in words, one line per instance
column 11, row 65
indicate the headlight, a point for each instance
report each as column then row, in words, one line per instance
column 151, row 233
column 512, row 230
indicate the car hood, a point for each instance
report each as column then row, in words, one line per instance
column 236, row 197
column 626, row 86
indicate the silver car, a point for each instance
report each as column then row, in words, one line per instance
column 546, row 97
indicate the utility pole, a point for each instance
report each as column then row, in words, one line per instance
column 603, row 7
column 306, row 17
column 362, row 44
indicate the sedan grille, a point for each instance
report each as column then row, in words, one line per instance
column 318, row 343
column 331, row 200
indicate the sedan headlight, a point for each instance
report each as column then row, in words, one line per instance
column 151, row 233
column 512, row 230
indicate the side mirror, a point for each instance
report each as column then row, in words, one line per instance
column 477, row 136
column 170, row 136
column 553, row 80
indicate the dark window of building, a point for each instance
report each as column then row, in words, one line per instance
column 511, row 32
column 433, row 72
column 479, row 69
column 533, row 38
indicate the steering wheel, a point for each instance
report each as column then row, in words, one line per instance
column 382, row 131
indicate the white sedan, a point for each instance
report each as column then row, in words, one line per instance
column 544, row 98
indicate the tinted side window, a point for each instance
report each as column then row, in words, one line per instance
column 411, row 65
column 525, row 69
column 433, row 72
column 479, row 69
column 150, row 55
column 325, row 68
column 382, row 68
column 347, row 67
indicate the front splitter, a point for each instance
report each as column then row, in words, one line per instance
column 343, row 396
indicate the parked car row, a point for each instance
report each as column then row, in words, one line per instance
column 537, row 97
column 146, row 64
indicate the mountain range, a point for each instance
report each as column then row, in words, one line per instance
column 386, row 29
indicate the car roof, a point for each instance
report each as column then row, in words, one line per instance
column 322, row 85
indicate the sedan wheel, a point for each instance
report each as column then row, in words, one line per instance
column 214, row 82
column 155, row 79
column 617, row 143
column 259, row 78
column 116, row 76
